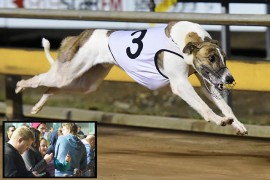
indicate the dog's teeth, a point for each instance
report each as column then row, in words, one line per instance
column 220, row 86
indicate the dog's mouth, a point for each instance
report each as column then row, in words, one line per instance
column 216, row 80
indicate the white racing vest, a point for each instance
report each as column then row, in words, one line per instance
column 136, row 53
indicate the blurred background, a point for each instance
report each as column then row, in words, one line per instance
column 247, row 43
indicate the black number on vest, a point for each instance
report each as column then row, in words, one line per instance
column 138, row 41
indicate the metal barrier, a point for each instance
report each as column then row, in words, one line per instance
column 148, row 17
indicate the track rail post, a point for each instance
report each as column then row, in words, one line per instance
column 226, row 45
column 268, row 36
column 14, row 108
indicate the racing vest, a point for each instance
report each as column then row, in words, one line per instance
column 136, row 53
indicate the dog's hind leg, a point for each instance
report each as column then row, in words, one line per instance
column 55, row 77
column 76, row 56
column 58, row 77
column 87, row 83
column 38, row 106
column 33, row 82
column 90, row 80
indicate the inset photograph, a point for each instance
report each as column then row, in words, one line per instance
column 49, row 149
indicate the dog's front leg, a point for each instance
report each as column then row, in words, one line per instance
column 184, row 89
column 177, row 71
column 227, row 111
column 223, row 106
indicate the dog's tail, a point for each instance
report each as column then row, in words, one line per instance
column 46, row 46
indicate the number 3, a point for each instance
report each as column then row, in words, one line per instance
column 138, row 41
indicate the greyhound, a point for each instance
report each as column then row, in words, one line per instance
column 153, row 57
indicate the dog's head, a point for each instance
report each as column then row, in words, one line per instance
column 209, row 61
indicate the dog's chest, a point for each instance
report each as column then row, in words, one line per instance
column 136, row 53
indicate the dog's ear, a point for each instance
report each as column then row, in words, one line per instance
column 207, row 39
column 190, row 47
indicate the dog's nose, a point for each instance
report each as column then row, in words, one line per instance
column 229, row 79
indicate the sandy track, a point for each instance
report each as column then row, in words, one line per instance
column 126, row 153
column 140, row 153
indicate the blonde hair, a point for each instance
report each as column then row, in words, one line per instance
column 90, row 137
column 72, row 127
column 23, row 132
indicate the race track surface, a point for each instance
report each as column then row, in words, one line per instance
column 126, row 153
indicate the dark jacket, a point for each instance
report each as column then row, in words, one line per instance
column 34, row 161
column 6, row 138
column 14, row 164
column 53, row 139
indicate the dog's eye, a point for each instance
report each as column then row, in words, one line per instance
column 212, row 59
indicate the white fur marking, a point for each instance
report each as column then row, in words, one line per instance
column 221, row 56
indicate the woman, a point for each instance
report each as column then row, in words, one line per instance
column 70, row 144
column 33, row 158
column 43, row 146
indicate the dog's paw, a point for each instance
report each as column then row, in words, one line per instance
column 35, row 109
column 240, row 128
column 225, row 121
column 19, row 87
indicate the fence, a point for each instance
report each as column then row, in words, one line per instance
column 148, row 17
column 21, row 62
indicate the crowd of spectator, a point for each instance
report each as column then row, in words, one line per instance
column 33, row 151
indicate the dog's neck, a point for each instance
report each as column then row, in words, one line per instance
column 179, row 32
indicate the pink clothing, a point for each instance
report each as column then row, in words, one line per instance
column 35, row 125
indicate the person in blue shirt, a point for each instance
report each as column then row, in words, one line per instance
column 55, row 164
column 89, row 143
column 70, row 144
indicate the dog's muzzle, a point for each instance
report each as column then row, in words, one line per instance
column 222, row 80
